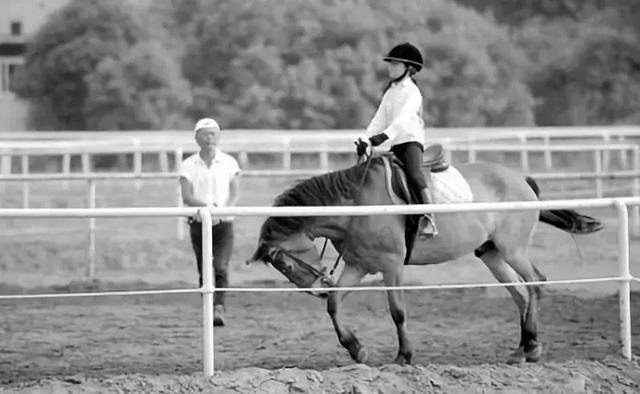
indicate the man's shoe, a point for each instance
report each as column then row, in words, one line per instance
column 427, row 227
column 218, row 315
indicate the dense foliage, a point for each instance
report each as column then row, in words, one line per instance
column 99, row 64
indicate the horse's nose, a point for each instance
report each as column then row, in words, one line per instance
column 255, row 258
column 251, row 260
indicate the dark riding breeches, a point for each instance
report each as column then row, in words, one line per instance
column 222, row 246
column 410, row 153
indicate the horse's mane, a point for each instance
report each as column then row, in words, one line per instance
column 319, row 190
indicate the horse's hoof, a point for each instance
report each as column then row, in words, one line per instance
column 400, row 360
column 517, row 357
column 534, row 355
column 362, row 356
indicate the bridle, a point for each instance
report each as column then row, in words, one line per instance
column 367, row 157
column 274, row 250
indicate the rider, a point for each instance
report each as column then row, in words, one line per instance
column 399, row 120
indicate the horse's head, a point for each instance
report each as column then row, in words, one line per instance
column 293, row 253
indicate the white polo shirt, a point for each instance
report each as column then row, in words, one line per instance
column 399, row 114
column 211, row 184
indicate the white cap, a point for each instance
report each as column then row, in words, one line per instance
column 206, row 123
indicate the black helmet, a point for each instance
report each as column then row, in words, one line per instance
column 405, row 53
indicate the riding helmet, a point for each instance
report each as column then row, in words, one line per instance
column 405, row 53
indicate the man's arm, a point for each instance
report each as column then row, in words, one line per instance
column 188, row 197
column 234, row 192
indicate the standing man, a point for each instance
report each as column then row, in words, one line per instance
column 211, row 178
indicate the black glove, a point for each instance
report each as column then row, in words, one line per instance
column 378, row 139
column 361, row 147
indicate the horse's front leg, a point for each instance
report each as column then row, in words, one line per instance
column 399, row 315
column 350, row 276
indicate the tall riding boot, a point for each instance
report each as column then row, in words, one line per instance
column 427, row 228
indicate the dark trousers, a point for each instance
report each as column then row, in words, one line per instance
column 410, row 153
column 222, row 246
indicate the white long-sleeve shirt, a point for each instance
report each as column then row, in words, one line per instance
column 399, row 114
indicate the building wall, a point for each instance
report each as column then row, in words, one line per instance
column 30, row 13
column 19, row 20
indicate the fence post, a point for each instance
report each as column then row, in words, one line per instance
column 606, row 154
column 24, row 162
column 324, row 160
column 207, row 290
column 625, row 274
column 180, row 219
column 66, row 167
column 137, row 162
column 163, row 159
column 524, row 153
column 623, row 153
column 471, row 152
column 448, row 154
column 286, row 153
column 86, row 163
column 547, row 154
column 243, row 158
column 597, row 162
column 5, row 168
column 635, row 210
column 92, row 229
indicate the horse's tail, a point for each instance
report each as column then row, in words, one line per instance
column 566, row 219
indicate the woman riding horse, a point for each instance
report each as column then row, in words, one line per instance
column 377, row 244
column 399, row 120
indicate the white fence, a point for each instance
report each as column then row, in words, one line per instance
column 599, row 174
column 207, row 289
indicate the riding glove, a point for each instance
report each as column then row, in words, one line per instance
column 378, row 139
column 361, row 147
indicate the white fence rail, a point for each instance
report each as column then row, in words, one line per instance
column 620, row 204
column 598, row 175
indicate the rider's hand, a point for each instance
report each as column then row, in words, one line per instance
column 378, row 139
column 361, row 147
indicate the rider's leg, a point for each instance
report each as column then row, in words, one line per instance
column 411, row 155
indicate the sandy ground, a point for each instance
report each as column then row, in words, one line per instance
column 461, row 339
column 283, row 342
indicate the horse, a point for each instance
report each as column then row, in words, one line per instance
column 380, row 243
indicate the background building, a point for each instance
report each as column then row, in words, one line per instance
column 19, row 20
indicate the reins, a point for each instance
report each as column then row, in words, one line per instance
column 357, row 192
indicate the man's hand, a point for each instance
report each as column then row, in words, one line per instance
column 378, row 139
column 361, row 147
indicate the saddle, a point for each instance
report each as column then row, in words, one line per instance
column 433, row 158
column 433, row 161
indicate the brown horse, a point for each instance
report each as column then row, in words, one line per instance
column 377, row 243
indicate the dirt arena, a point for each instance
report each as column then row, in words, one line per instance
column 284, row 342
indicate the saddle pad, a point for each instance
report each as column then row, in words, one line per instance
column 449, row 186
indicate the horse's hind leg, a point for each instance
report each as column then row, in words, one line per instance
column 399, row 315
column 520, row 263
column 350, row 276
column 504, row 273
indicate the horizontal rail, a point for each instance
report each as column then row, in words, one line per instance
column 464, row 132
column 314, row 289
column 99, row 294
column 258, row 146
column 363, row 210
column 103, row 176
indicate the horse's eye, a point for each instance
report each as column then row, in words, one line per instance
column 273, row 254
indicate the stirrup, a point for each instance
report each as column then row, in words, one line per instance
column 428, row 229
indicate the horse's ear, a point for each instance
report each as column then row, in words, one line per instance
column 259, row 254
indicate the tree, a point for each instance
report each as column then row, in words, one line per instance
column 144, row 90
column 583, row 72
column 66, row 50
column 301, row 64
